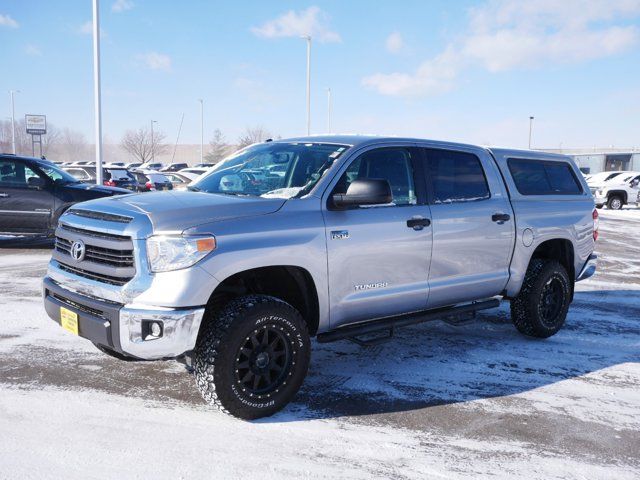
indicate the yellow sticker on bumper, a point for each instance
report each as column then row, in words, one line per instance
column 69, row 320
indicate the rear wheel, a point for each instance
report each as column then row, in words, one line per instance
column 252, row 357
column 541, row 307
column 614, row 202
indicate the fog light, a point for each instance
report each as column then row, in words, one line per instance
column 156, row 329
column 152, row 330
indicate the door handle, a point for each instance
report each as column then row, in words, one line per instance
column 4, row 195
column 500, row 217
column 418, row 223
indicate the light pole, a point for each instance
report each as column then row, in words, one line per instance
column 308, row 39
column 201, row 129
column 328, row 110
column 13, row 121
column 96, row 89
column 530, row 129
column 153, row 147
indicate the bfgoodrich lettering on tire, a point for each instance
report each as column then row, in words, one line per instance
column 252, row 356
column 541, row 307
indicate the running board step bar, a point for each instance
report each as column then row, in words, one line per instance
column 353, row 331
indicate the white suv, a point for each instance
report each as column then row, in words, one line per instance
column 618, row 191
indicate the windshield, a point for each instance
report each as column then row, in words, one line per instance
column 271, row 170
column 56, row 174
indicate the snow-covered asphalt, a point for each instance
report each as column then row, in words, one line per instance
column 474, row 400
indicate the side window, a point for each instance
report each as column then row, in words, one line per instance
column 536, row 177
column 15, row 174
column 456, row 176
column 391, row 164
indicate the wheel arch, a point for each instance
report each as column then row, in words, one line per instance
column 618, row 193
column 291, row 283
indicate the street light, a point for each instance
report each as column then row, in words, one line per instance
column 96, row 90
column 308, row 39
column 153, row 149
column 201, row 129
column 13, row 120
column 530, row 129
column 328, row 110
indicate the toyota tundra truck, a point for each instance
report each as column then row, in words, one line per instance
column 332, row 237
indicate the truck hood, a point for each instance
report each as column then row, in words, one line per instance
column 177, row 211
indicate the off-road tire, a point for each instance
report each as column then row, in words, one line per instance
column 528, row 308
column 222, row 345
column 614, row 202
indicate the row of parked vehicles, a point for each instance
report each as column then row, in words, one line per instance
column 615, row 189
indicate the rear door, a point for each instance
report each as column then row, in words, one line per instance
column 472, row 223
column 378, row 264
column 23, row 209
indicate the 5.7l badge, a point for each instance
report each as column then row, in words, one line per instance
column 339, row 234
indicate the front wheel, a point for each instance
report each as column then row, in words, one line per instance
column 614, row 202
column 252, row 356
column 541, row 307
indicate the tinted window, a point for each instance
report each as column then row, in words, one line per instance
column 535, row 177
column 391, row 164
column 15, row 174
column 456, row 176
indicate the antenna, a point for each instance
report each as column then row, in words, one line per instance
column 177, row 138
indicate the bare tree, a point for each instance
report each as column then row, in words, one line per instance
column 219, row 148
column 73, row 145
column 253, row 135
column 139, row 144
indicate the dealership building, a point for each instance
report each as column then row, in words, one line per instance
column 603, row 160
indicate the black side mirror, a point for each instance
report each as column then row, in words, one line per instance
column 37, row 183
column 366, row 191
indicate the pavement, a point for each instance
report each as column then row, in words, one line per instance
column 473, row 400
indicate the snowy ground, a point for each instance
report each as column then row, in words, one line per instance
column 471, row 401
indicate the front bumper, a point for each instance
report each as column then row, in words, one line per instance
column 589, row 268
column 122, row 327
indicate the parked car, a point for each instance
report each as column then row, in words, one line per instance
column 174, row 167
column 193, row 173
column 361, row 236
column 157, row 166
column 178, row 180
column 132, row 165
column 618, row 191
column 111, row 177
column 150, row 180
column 34, row 193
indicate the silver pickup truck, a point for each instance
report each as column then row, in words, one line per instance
column 337, row 237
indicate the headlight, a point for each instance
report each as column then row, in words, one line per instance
column 167, row 253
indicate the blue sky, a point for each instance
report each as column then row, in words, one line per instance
column 466, row 71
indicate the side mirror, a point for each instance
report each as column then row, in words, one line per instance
column 37, row 183
column 366, row 191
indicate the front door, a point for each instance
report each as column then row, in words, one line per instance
column 23, row 209
column 378, row 265
column 473, row 226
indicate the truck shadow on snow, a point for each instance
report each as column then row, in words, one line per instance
column 436, row 364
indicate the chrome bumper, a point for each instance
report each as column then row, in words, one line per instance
column 122, row 327
column 589, row 268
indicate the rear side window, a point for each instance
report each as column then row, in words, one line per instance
column 535, row 177
column 456, row 176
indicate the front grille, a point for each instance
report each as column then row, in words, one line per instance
column 108, row 257
column 95, row 276
column 105, row 256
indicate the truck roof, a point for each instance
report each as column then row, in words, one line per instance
column 358, row 140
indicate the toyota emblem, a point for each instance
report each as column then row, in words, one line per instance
column 78, row 250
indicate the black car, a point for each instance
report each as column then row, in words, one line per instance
column 34, row 193
column 174, row 167
column 111, row 177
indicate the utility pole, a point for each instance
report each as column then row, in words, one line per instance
column 308, row 39
column 96, row 90
column 13, row 121
column 530, row 130
column 201, row 129
column 328, row 110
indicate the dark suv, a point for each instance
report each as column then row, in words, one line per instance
column 111, row 177
column 34, row 193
